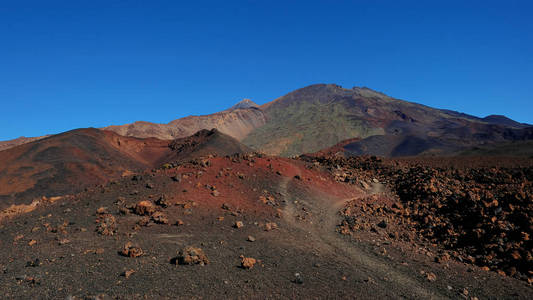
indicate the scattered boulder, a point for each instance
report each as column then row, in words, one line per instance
column 159, row 218
column 271, row 226
column 163, row 202
column 129, row 250
column 144, row 208
column 106, row 224
column 247, row 262
column 191, row 256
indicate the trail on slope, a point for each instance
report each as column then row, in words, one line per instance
column 320, row 229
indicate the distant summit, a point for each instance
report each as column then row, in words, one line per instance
column 503, row 120
column 243, row 104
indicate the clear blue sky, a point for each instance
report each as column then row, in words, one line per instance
column 71, row 64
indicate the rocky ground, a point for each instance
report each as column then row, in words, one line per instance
column 473, row 210
column 251, row 226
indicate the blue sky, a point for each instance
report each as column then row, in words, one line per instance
column 71, row 64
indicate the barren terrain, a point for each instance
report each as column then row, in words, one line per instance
column 286, row 214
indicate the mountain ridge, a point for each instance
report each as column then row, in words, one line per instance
column 318, row 116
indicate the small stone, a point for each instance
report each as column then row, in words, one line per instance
column 270, row 226
column 101, row 210
column 179, row 222
column 64, row 241
column 382, row 224
column 298, row 278
column 238, row 224
column 127, row 273
column 250, row 239
column 33, row 263
column 365, row 185
column 431, row 276
column 32, row 242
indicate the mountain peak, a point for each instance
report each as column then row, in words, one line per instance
column 503, row 120
column 244, row 103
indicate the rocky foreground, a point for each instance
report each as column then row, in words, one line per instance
column 252, row 226
column 474, row 210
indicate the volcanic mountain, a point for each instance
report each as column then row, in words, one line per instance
column 321, row 115
column 66, row 163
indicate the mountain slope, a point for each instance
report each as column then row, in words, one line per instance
column 319, row 116
column 68, row 162
column 236, row 122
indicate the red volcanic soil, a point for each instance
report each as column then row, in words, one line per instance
column 68, row 162
column 241, row 226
